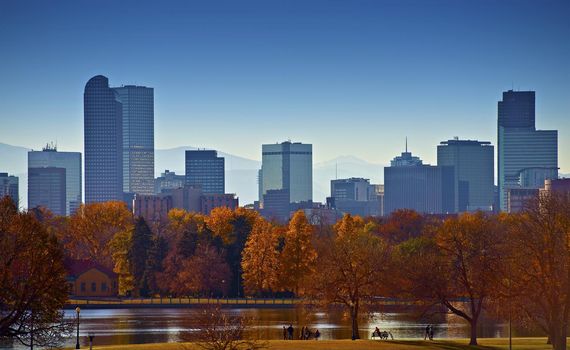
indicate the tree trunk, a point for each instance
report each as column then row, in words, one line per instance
column 559, row 339
column 473, row 340
column 354, row 318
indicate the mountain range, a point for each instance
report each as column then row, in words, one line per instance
column 241, row 173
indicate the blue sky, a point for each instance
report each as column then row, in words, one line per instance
column 351, row 77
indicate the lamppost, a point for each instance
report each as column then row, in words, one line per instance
column 77, row 310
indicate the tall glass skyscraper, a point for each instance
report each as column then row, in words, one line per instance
column 71, row 162
column 473, row 162
column 523, row 152
column 138, row 138
column 288, row 166
column 103, row 132
column 46, row 189
column 205, row 169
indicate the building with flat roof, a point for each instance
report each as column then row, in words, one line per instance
column 205, row 169
column 168, row 180
column 410, row 184
column 521, row 146
column 287, row 166
column 473, row 163
column 50, row 157
column 355, row 196
column 138, row 138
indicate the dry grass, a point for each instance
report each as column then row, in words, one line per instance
column 456, row 344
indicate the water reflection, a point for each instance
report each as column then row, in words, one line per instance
column 135, row 326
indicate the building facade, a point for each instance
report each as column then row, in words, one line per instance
column 210, row 201
column 103, row 133
column 71, row 162
column 473, row 162
column 47, row 189
column 205, row 169
column 288, row 166
column 9, row 187
column 521, row 146
column 168, row 180
column 355, row 196
column 409, row 184
column 138, row 138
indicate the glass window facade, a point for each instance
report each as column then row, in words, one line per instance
column 205, row 169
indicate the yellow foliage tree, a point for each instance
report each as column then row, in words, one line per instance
column 297, row 260
column 260, row 258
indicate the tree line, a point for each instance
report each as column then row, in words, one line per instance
column 508, row 265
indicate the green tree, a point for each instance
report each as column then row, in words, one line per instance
column 140, row 256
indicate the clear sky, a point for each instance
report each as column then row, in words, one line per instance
column 350, row 77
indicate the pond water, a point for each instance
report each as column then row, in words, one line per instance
column 151, row 325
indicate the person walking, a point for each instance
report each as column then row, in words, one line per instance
column 284, row 333
column 317, row 334
column 426, row 334
column 431, row 332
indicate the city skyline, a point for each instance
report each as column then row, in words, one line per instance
column 290, row 69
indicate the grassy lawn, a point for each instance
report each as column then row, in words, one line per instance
column 456, row 344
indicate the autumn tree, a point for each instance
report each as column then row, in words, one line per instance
column 232, row 227
column 401, row 225
column 350, row 267
column 205, row 273
column 260, row 259
column 297, row 260
column 538, row 277
column 463, row 261
column 92, row 227
column 32, row 278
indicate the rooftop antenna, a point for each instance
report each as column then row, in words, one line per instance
column 406, row 144
column 336, row 171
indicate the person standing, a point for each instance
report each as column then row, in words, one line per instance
column 426, row 334
column 290, row 331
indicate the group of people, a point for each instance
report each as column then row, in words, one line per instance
column 382, row 335
column 429, row 332
column 305, row 334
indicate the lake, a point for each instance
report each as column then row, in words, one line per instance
column 151, row 325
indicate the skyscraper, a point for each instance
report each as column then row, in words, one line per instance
column 410, row 184
column 288, row 166
column 205, row 169
column 138, row 138
column 526, row 156
column 49, row 157
column 103, row 132
column 47, row 189
column 474, row 168
column 9, row 187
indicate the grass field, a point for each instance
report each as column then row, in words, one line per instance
column 455, row 344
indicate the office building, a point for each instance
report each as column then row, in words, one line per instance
column 473, row 163
column 205, row 169
column 49, row 157
column 215, row 200
column 47, row 189
column 288, row 166
column 410, row 184
column 521, row 147
column 103, row 132
column 276, row 205
column 517, row 198
column 138, row 138
column 9, row 187
column 168, row 180
column 355, row 196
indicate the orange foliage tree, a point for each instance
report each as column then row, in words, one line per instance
column 350, row 267
column 297, row 260
column 538, row 278
column 93, row 226
column 460, row 268
column 260, row 258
